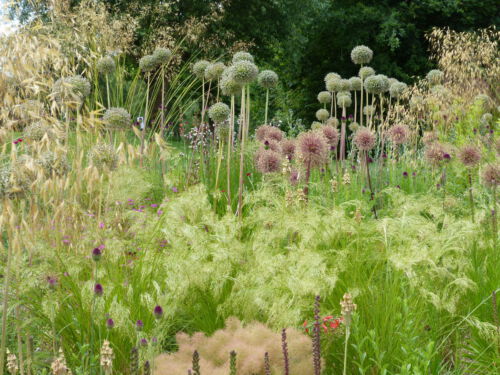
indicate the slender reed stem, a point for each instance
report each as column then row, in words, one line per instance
column 229, row 148
column 5, row 306
column 242, row 152
column 162, row 121
column 19, row 342
column 355, row 105
column 347, row 334
column 471, row 198
column 107, row 91
column 372, row 195
column 342, row 135
column 143, row 131
column 267, row 106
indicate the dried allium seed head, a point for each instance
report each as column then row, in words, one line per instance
column 103, row 155
column 268, row 161
column 436, row 153
column 369, row 110
column 344, row 101
column 366, row 72
column 397, row 89
column 365, row 139
column 242, row 56
column 324, row 97
column 353, row 127
column 356, row 83
column 219, row 112
column 71, row 89
column 199, row 68
column 399, row 134
column 312, row 148
column 435, row 77
column 469, row 155
column 491, row 175
column 271, row 144
column 106, row 65
column 117, row 119
column 148, row 63
column 37, row 130
column 361, row 55
column 331, row 134
column 333, row 121
column 288, row 148
column 244, row 72
column 275, row 134
column 54, row 163
column 162, row 55
column 214, row 71
column 322, row 114
column 267, row 79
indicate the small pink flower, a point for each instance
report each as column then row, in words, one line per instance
column 101, row 225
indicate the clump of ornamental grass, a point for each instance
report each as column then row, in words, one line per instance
column 312, row 148
column 54, row 163
column 103, row 155
column 470, row 156
column 268, row 80
column 117, row 119
column 365, row 140
column 250, row 342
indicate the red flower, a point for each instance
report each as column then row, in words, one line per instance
column 335, row 324
column 305, row 326
column 325, row 328
column 248, row 174
column 329, row 317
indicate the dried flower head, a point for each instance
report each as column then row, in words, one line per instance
column 37, row 130
column 333, row 121
column 366, row 72
column 491, row 175
column 162, row 55
column 344, row 101
column 324, row 97
column 267, row 79
column 312, row 148
column 435, row 77
column 219, row 112
column 103, row 155
column 242, row 56
column 355, row 83
column 71, row 89
column 107, row 357
column 148, row 63
column 469, row 155
column 399, row 134
column 244, row 72
column 54, row 163
column 429, row 138
column 322, row 114
column 436, row 153
column 331, row 134
column 214, row 71
column 59, row 366
column 268, row 161
column 347, row 308
column 316, row 125
column 288, row 148
column 354, row 126
column 361, row 55
column 106, row 65
column 369, row 110
column 199, row 68
column 12, row 366
column 397, row 89
column 117, row 119
column 364, row 139
column 330, row 76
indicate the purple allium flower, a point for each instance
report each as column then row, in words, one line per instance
column 96, row 254
column 101, row 225
column 365, row 139
column 154, row 340
column 294, row 177
column 414, row 174
column 351, row 117
column 139, row 325
column 491, row 175
column 474, row 131
column 446, row 156
column 110, row 324
column 469, row 156
column 288, row 148
column 158, row 312
column 369, row 160
column 331, row 134
column 268, row 161
column 313, row 148
column 144, row 342
column 154, row 205
column 405, row 174
column 52, row 282
column 398, row 187
column 159, row 212
column 438, row 186
column 98, row 290
column 343, row 118
column 399, row 134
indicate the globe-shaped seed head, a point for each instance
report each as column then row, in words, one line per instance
column 332, row 75
column 162, row 55
column 369, row 110
column 199, row 68
column 322, row 114
column 491, row 175
column 469, row 155
column 315, row 125
column 355, row 83
column 117, row 119
column 366, row 72
column 267, row 79
column 384, row 82
column 148, row 63
column 397, row 89
column 344, row 85
column 219, row 112
column 333, row 121
column 53, row 164
column 228, row 85
column 344, row 101
column 364, row 139
column 331, row 134
column 244, row 72
column 361, row 55
column 214, row 71
column 324, row 97
column 103, row 155
column 399, row 134
column 354, row 126
column 374, row 85
column 106, row 65
column 242, row 56
column 312, row 148
column 37, row 130
column 435, row 77
column 268, row 161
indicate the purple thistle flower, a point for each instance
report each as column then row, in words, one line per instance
column 98, row 290
column 139, row 325
column 158, row 312
column 110, row 324
column 96, row 254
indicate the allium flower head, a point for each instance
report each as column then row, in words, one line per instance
column 139, row 325
column 244, row 72
column 96, row 254
column 117, row 118
column 228, row 85
column 37, row 130
column 219, row 112
column 316, row 125
column 98, row 290
column 271, row 144
column 491, row 175
column 331, row 135
column 353, row 127
column 199, row 68
column 312, row 148
column 399, row 134
column 364, row 139
column 267, row 79
column 275, row 134
column 355, row 83
column 71, row 89
column 158, row 312
column 332, row 85
column 366, row 72
column 384, row 82
column 435, row 77
column 148, row 63
column 268, row 161
column 324, row 97
column 436, row 153
column 374, row 85
column 162, row 55
column 103, row 155
column 469, row 156
column 344, row 85
column 333, row 121
column 110, row 324
column 288, row 148
column 361, row 55
column 261, row 132
column 322, row 114
column 214, row 71
column 397, row 89
column 332, row 75
column 344, row 100
column 53, row 163
column 106, row 65
column 242, row 56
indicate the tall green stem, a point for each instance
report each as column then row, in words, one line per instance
column 229, row 148
column 347, row 334
column 267, row 106
column 242, row 152
column 143, row 131
column 107, row 92
column 471, row 198
column 5, row 306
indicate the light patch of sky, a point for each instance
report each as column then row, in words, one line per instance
column 6, row 25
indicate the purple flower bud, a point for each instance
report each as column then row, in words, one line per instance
column 370, row 160
column 175, row 190
column 158, row 312
column 405, row 174
column 96, row 254
column 144, row 342
column 110, row 324
column 139, row 325
column 98, row 290
column 446, row 156
column 52, row 282
column 154, row 340
column 343, row 118
column 474, row 131
column 414, row 174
